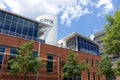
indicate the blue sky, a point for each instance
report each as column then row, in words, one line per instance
column 82, row 16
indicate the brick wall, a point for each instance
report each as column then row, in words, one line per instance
column 45, row 49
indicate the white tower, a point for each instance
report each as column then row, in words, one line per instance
column 50, row 30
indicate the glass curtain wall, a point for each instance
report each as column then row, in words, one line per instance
column 71, row 43
column 17, row 26
column 2, row 51
column 87, row 46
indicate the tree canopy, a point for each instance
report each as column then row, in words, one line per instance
column 72, row 67
column 25, row 62
column 117, row 69
column 112, row 36
column 105, row 68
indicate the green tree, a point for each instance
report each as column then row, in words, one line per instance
column 117, row 69
column 105, row 68
column 112, row 36
column 72, row 67
column 24, row 62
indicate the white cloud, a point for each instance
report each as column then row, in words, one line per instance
column 2, row 5
column 74, row 12
column 35, row 8
column 70, row 10
column 105, row 5
column 99, row 14
column 84, row 2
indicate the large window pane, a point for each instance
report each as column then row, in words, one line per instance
column 20, row 20
column 31, row 25
column 30, row 32
column 36, row 26
column 26, row 22
column 35, row 33
column 15, row 18
column 9, row 17
column 25, row 30
column 7, row 25
column 2, row 14
column 49, row 63
column 13, row 52
column 89, row 76
column 1, row 23
column 13, row 27
column 19, row 28
column 2, row 50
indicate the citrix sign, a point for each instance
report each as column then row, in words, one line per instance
column 49, row 21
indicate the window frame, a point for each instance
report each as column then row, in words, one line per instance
column 49, row 60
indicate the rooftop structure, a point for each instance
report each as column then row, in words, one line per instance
column 21, row 27
column 78, row 42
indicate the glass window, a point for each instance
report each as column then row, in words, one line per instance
column 2, row 14
column 25, row 30
column 89, row 46
column 2, row 50
column 13, row 52
column 88, row 75
column 82, row 46
column 1, row 60
column 15, row 18
column 31, row 24
column 9, row 17
column 19, row 28
column 92, row 48
column 30, row 31
column 98, row 77
column 97, row 51
column 1, row 23
column 79, row 47
column 72, row 78
column 36, row 26
column 97, row 63
column 35, row 33
column 49, row 63
column 92, row 61
column 13, row 27
column 35, row 54
column 7, row 25
column 87, row 60
column 94, row 77
column 26, row 22
column 20, row 20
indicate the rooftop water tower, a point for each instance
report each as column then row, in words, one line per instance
column 50, row 30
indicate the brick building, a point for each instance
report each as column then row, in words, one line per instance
column 12, row 36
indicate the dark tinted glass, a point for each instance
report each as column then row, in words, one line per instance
column 20, row 20
column 1, row 23
column 1, row 59
column 7, row 25
column 50, row 63
column 2, row 14
column 30, row 32
column 2, row 49
column 9, row 17
column 13, row 51
column 15, row 18
column 13, row 27
column 35, row 33
column 19, row 28
column 25, row 30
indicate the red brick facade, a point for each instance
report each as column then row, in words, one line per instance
column 45, row 49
